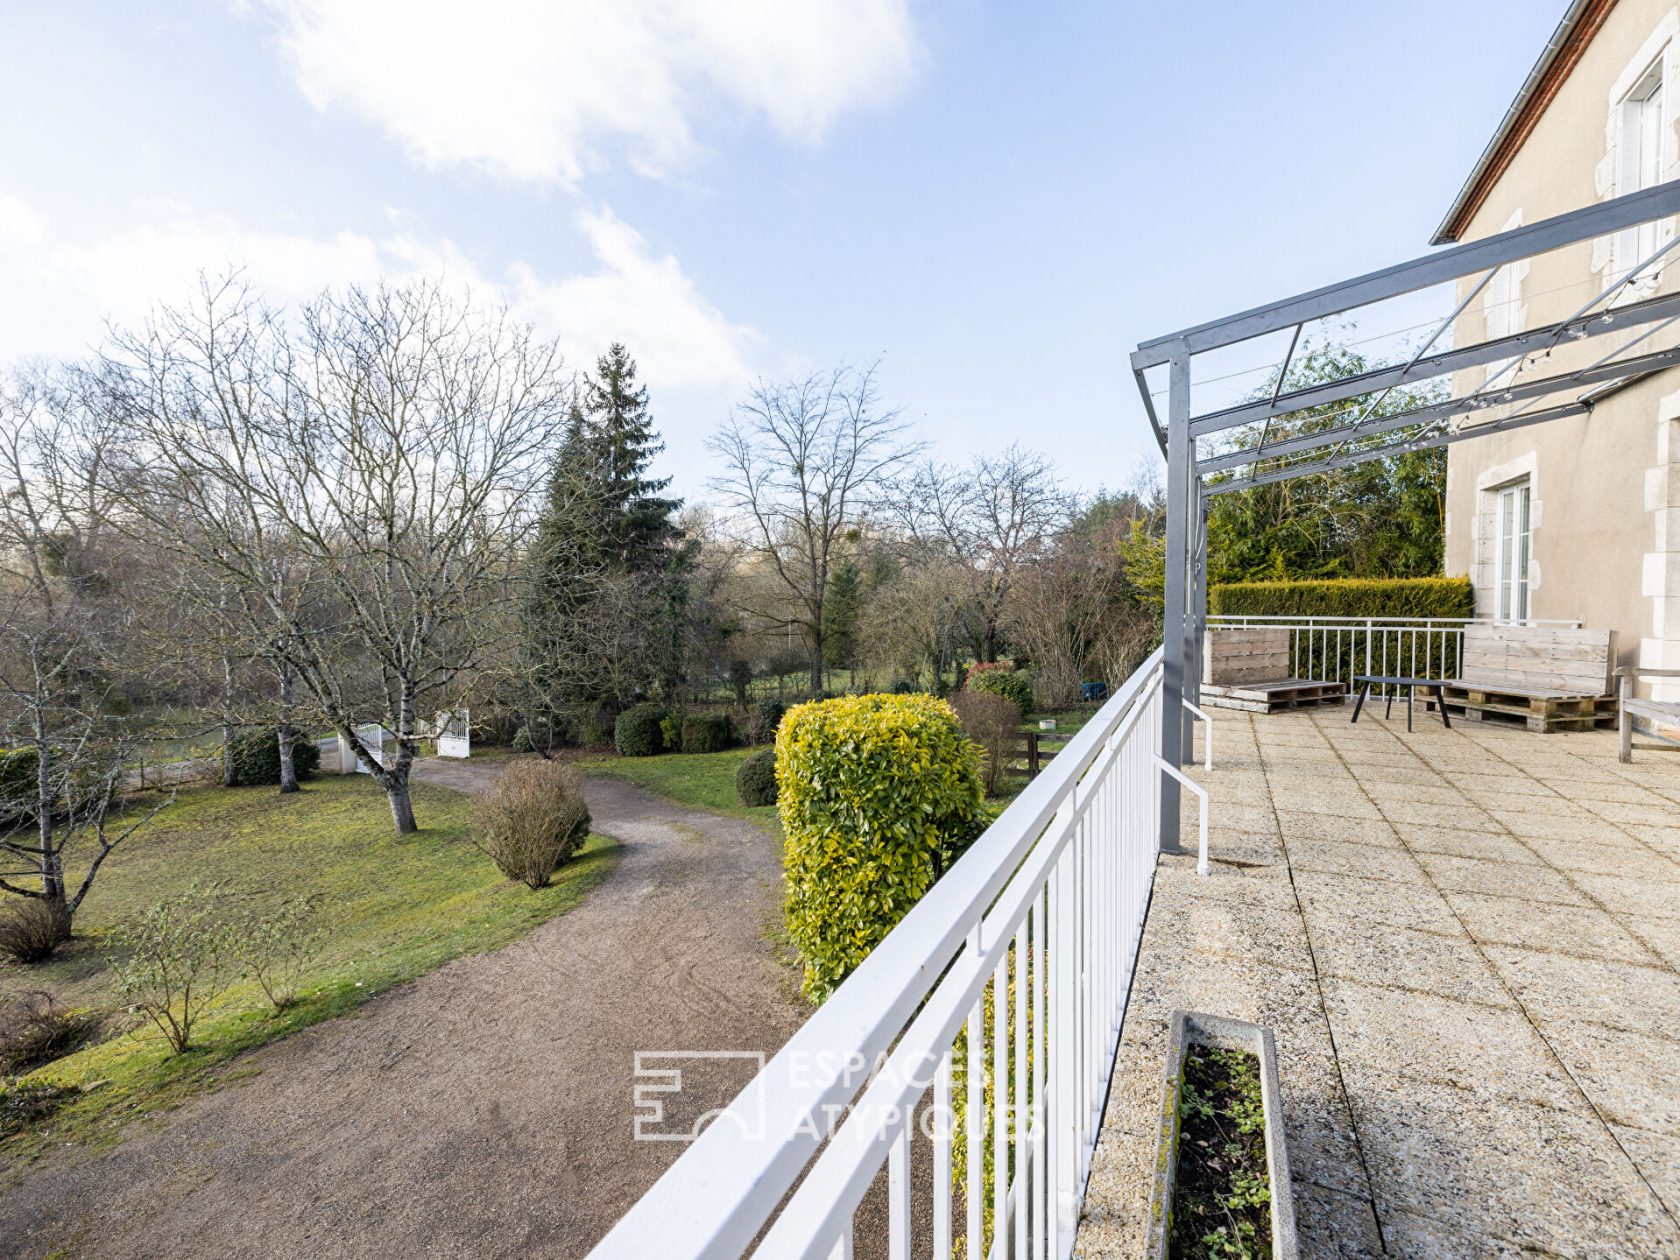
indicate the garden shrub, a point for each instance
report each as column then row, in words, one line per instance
column 767, row 716
column 181, row 957
column 707, row 732
column 32, row 929
column 532, row 820
column 35, row 1029
column 993, row 723
column 755, row 780
column 1346, row 597
column 637, row 732
column 670, row 732
column 879, row 794
column 276, row 943
column 1014, row 685
column 256, row 757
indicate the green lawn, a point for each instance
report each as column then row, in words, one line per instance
column 703, row 780
column 395, row 908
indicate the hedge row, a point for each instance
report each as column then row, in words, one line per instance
column 1346, row 597
column 646, row 730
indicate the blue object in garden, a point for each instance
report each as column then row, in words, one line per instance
column 1093, row 691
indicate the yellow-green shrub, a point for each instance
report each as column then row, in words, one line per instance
column 879, row 795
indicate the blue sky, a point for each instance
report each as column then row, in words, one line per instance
column 999, row 201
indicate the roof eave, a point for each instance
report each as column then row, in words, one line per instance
column 1580, row 23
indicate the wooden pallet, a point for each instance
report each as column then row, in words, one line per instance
column 1272, row 697
column 1541, row 711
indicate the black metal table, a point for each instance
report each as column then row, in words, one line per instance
column 1366, row 681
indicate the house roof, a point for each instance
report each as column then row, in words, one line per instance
column 1562, row 51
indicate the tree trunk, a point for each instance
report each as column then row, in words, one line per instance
column 52, row 865
column 228, row 730
column 288, row 763
column 402, row 809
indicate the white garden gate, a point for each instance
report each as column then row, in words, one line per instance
column 454, row 733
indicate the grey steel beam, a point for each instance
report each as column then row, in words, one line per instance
column 1596, row 324
column 1562, row 412
column 1149, row 410
column 1527, row 241
column 1639, row 365
column 1175, row 602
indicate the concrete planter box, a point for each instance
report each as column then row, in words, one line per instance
column 1192, row 1029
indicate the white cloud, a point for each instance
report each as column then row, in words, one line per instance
column 540, row 90
column 19, row 224
column 60, row 291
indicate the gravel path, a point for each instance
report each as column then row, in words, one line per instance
column 483, row 1110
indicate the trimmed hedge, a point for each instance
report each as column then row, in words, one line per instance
column 1014, row 685
column 638, row 732
column 1346, row 597
column 707, row 732
column 755, row 781
column 879, row 795
column 256, row 757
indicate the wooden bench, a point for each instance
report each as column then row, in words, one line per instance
column 1548, row 679
column 1660, row 713
column 1248, row 668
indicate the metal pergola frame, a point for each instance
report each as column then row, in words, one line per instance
column 1194, row 474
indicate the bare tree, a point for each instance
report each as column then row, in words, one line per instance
column 993, row 520
column 360, row 479
column 915, row 620
column 68, row 639
column 802, row 460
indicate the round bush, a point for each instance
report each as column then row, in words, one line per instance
column 1014, row 685
column 32, row 929
column 707, row 732
column 532, row 820
column 256, row 757
column 755, row 781
column 879, row 795
column 637, row 732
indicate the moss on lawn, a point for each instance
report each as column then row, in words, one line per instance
column 396, row 907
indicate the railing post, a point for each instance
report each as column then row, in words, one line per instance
column 1064, row 1022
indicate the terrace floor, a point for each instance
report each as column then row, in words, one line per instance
column 1467, row 945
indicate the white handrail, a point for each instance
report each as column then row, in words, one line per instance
column 1207, row 763
column 1201, row 792
column 1047, row 906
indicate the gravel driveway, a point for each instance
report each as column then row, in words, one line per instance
column 483, row 1110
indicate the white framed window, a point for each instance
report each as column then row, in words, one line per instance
column 1499, row 311
column 1511, row 561
column 1640, row 161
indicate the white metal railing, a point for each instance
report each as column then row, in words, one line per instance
column 1330, row 649
column 1013, row 969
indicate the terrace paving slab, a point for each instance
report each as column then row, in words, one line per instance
column 1466, row 945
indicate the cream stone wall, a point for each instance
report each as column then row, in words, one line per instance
column 1605, row 488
